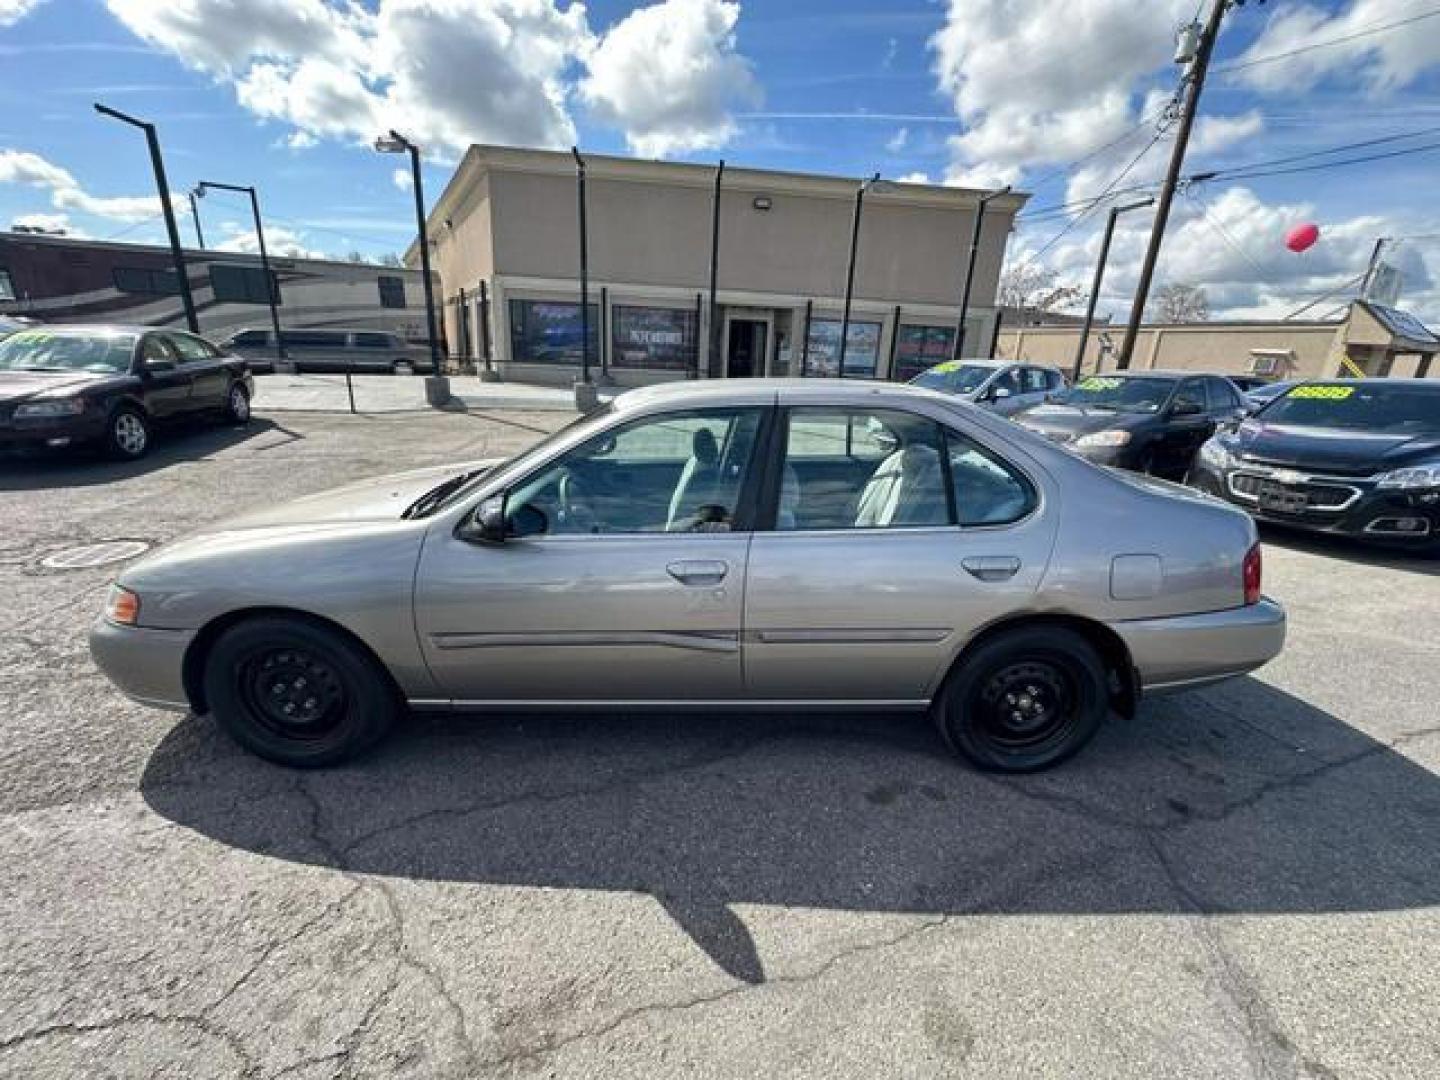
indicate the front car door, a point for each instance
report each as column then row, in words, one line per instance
column 1187, row 424
column 166, row 384
column 630, row 586
column 209, row 379
column 896, row 535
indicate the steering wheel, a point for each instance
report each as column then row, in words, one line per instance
column 574, row 513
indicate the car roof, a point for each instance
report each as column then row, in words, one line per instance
column 719, row 392
column 99, row 328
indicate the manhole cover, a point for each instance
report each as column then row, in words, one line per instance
column 80, row 558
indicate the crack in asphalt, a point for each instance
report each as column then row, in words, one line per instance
column 250, row 1067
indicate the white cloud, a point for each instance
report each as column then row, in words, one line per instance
column 669, row 75
column 278, row 241
column 897, row 142
column 403, row 179
column 1383, row 60
column 914, row 178
column 1046, row 81
column 12, row 11
column 32, row 170
column 452, row 72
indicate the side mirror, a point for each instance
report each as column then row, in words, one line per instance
column 487, row 524
column 1000, row 393
column 157, row 367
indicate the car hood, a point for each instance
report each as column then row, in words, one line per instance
column 1319, row 449
column 19, row 385
column 1074, row 420
column 381, row 498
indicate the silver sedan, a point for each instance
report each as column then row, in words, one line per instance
column 744, row 545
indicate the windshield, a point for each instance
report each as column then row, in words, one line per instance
column 954, row 377
column 457, row 487
column 66, row 350
column 1119, row 392
column 1362, row 406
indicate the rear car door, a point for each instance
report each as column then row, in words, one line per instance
column 633, row 589
column 209, row 379
column 166, row 385
column 894, row 537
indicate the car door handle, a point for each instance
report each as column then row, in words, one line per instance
column 698, row 571
column 992, row 567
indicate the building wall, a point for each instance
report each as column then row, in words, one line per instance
column 1222, row 347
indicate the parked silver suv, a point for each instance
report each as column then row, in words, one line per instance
column 330, row 350
column 998, row 385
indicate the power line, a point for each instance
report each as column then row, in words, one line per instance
column 1377, row 28
column 1219, row 227
column 1249, row 172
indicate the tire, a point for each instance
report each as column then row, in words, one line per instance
column 1025, row 700
column 297, row 693
column 237, row 405
column 127, row 434
column 402, row 367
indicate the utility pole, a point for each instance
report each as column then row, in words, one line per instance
column 1194, row 83
column 1115, row 212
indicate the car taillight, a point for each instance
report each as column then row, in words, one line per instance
column 1251, row 575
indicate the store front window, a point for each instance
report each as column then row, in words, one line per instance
column 548, row 332
column 862, row 349
column 654, row 339
column 921, row 347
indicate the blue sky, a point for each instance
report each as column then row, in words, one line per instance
column 283, row 94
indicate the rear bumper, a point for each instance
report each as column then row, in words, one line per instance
column 1187, row 650
column 143, row 664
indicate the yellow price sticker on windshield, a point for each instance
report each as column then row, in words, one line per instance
column 1096, row 382
column 947, row 367
column 1321, row 393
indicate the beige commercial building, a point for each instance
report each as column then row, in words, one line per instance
column 505, row 246
column 1370, row 340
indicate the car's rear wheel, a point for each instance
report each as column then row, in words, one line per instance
column 237, row 405
column 1025, row 700
column 297, row 693
column 127, row 434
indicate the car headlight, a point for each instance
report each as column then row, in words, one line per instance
column 1103, row 438
column 1414, row 478
column 1215, row 454
column 57, row 407
column 122, row 606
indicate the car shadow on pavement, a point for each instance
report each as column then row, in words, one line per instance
column 1236, row 799
column 1348, row 549
column 86, row 467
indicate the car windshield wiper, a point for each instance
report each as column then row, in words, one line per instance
column 37, row 367
column 435, row 496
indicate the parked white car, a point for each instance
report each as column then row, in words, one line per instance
column 998, row 385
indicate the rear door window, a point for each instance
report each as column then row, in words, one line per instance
column 987, row 490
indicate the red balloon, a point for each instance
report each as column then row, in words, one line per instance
column 1302, row 236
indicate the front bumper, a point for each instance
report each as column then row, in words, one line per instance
column 1346, row 506
column 1181, row 651
column 143, row 664
column 50, row 432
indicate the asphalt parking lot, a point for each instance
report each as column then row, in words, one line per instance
column 1241, row 882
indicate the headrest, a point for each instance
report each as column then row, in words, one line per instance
column 703, row 447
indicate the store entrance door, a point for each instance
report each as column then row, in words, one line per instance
column 745, row 348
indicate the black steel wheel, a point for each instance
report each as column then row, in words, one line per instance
column 1025, row 700
column 297, row 693
column 127, row 434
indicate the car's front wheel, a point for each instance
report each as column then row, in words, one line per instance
column 1025, row 700
column 237, row 405
column 127, row 434
column 297, row 693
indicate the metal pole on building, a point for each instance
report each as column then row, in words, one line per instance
column 894, row 344
column 195, row 217
column 437, row 386
column 694, row 372
column 604, row 335
column 488, row 374
column 712, row 350
column 980, row 205
column 995, row 334
column 586, row 398
column 163, row 188
column 272, row 285
column 850, row 270
column 805, row 339
column 1194, row 83
column 1115, row 212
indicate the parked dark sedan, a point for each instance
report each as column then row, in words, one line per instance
column 1150, row 422
column 109, row 385
column 1360, row 458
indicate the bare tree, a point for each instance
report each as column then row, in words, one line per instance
column 1179, row 303
column 1030, row 287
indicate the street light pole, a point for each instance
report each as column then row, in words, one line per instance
column 586, row 398
column 1195, row 82
column 437, row 386
column 163, row 187
column 980, row 205
column 850, row 269
column 272, row 283
column 1115, row 212
column 195, row 216
column 714, row 328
